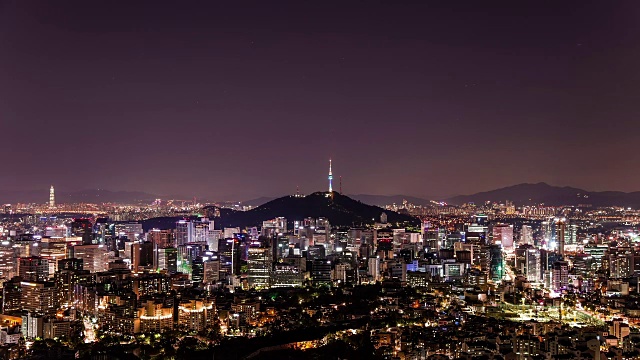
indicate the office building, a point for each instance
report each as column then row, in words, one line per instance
column 39, row 297
column 194, row 231
column 526, row 235
column 321, row 272
column 259, row 267
column 503, row 235
column 33, row 268
column 167, row 259
column 560, row 275
column 94, row 257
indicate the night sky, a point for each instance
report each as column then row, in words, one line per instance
column 234, row 100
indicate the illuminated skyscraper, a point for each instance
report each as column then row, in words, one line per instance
column 330, row 178
column 560, row 229
column 167, row 259
column 94, row 257
column 83, row 228
column 33, row 268
column 194, row 231
column 496, row 263
column 503, row 235
column 39, row 297
column 259, row 267
column 560, row 274
column 526, row 235
column 52, row 197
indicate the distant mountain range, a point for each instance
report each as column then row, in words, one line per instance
column 521, row 194
column 382, row 200
column 339, row 209
column 531, row 194
column 83, row 196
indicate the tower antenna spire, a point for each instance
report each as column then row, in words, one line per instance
column 330, row 178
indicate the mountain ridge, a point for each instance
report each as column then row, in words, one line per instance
column 520, row 194
column 339, row 209
column 543, row 193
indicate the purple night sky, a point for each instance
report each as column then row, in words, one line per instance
column 234, row 100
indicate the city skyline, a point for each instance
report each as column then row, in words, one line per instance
column 319, row 180
column 230, row 101
column 297, row 191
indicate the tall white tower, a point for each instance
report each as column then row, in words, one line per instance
column 52, row 197
column 330, row 178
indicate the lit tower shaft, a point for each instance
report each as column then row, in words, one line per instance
column 52, row 197
column 560, row 229
column 330, row 178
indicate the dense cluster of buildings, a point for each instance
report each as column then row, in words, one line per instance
column 555, row 282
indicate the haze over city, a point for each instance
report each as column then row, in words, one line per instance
column 237, row 101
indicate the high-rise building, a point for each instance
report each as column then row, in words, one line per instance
column 280, row 246
column 548, row 228
column 503, row 235
column 84, row 229
column 560, row 275
column 528, row 262
column 228, row 233
column 33, row 268
column 316, row 252
column 201, row 231
column 560, row 230
column 94, row 257
column 155, row 317
column 496, row 261
column 167, row 259
column 214, row 239
column 532, row 266
column 32, row 325
column 196, row 315
column 52, row 197
column 321, row 272
column 342, row 273
column 198, row 231
column 130, row 230
column 286, row 275
column 274, row 227
column 7, row 260
column 229, row 255
column 621, row 262
column 211, row 271
column 161, row 238
column 197, row 271
column 259, row 267
column 141, row 255
column 526, row 235
column 39, row 297
column 68, row 275
column 11, row 296
column 183, row 228
column 373, row 268
column 188, row 252
column 53, row 250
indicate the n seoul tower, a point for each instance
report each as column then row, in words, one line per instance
column 330, row 178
